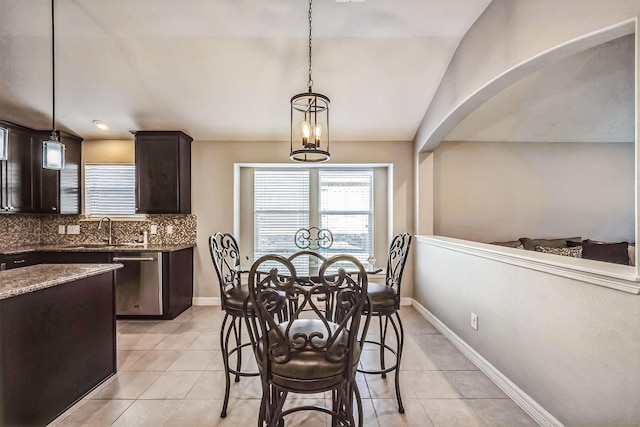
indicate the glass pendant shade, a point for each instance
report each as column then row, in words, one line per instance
column 309, row 116
column 4, row 144
column 53, row 153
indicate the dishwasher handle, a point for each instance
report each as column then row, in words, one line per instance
column 132, row 258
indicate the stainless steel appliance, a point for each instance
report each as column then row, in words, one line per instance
column 139, row 283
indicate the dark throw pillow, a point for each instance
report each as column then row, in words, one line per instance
column 608, row 252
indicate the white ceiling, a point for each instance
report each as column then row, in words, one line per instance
column 226, row 69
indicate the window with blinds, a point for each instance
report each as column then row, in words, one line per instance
column 281, row 207
column 283, row 203
column 346, row 208
column 110, row 189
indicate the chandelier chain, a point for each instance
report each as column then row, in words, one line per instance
column 53, row 66
column 310, row 82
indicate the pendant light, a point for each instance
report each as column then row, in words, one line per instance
column 52, row 149
column 310, row 121
column 4, row 144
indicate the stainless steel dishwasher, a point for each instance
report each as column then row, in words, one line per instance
column 139, row 283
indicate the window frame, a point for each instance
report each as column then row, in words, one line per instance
column 383, row 203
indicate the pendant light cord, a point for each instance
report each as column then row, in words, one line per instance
column 310, row 82
column 53, row 67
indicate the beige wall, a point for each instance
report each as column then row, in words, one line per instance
column 497, row 191
column 212, row 197
column 108, row 151
column 573, row 347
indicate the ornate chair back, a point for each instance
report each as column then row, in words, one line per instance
column 396, row 261
column 313, row 238
column 317, row 338
column 226, row 260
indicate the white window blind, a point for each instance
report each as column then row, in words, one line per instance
column 110, row 189
column 281, row 205
column 346, row 208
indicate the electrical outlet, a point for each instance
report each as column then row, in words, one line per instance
column 154, row 229
column 169, row 229
column 474, row 321
column 73, row 229
column 62, row 229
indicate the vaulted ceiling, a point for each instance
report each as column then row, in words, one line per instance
column 226, row 69
column 587, row 97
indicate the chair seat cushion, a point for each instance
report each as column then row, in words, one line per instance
column 307, row 365
column 235, row 297
column 382, row 296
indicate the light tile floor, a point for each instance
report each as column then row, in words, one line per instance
column 170, row 374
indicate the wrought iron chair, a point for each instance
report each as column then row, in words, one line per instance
column 385, row 304
column 226, row 260
column 314, row 350
column 313, row 238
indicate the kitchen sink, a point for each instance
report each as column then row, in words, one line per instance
column 94, row 245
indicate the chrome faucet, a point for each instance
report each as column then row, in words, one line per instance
column 107, row 237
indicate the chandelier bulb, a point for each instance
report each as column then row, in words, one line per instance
column 306, row 133
column 318, row 133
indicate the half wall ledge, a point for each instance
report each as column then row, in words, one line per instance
column 614, row 276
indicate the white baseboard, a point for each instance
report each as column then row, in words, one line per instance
column 406, row 301
column 206, row 301
column 530, row 406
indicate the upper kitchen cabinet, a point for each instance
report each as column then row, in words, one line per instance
column 58, row 192
column 163, row 172
column 16, row 173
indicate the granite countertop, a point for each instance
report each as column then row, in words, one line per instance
column 23, row 280
column 91, row 247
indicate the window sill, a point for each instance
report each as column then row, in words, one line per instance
column 614, row 276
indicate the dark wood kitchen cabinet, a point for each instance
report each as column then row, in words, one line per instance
column 163, row 172
column 176, row 278
column 16, row 173
column 7, row 262
column 56, row 344
column 177, row 282
column 58, row 192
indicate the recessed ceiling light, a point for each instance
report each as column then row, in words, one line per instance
column 101, row 125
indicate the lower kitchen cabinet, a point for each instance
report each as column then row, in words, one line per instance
column 74, row 257
column 7, row 262
column 142, row 292
column 56, row 345
column 174, row 282
column 178, row 283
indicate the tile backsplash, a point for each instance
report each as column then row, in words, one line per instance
column 19, row 229
column 43, row 229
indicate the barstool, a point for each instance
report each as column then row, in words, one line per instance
column 226, row 260
column 385, row 304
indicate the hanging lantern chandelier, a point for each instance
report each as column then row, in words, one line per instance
column 310, row 121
